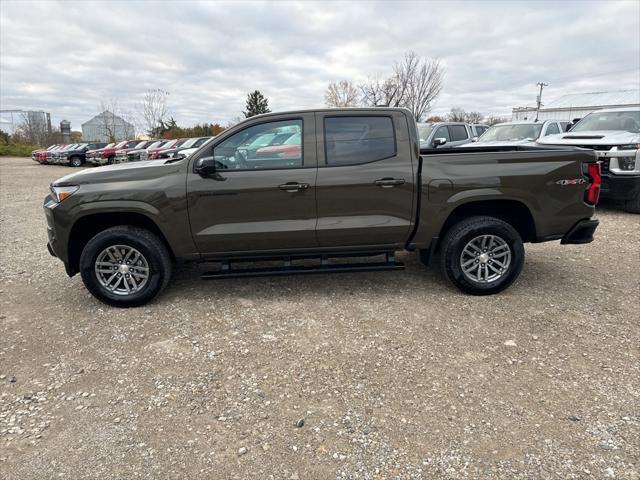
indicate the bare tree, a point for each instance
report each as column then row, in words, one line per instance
column 33, row 129
column 115, row 123
column 493, row 119
column 153, row 110
column 376, row 92
column 421, row 82
column 459, row 115
column 415, row 84
column 341, row 94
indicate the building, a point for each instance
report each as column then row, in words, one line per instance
column 577, row 105
column 107, row 127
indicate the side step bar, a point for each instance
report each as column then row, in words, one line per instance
column 288, row 268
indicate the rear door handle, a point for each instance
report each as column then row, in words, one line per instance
column 389, row 182
column 293, row 186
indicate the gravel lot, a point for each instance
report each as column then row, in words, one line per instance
column 369, row 375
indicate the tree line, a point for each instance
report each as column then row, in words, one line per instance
column 414, row 83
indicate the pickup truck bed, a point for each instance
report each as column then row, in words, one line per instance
column 353, row 182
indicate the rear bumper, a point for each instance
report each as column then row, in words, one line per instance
column 581, row 232
column 618, row 187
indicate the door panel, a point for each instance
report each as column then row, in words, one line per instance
column 368, row 203
column 248, row 208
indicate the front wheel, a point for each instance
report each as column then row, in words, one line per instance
column 76, row 161
column 482, row 255
column 633, row 205
column 125, row 266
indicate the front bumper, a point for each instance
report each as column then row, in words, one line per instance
column 618, row 187
column 98, row 160
column 581, row 232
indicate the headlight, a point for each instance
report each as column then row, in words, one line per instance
column 634, row 146
column 62, row 193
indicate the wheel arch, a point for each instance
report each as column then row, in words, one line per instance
column 514, row 212
column 88, row 226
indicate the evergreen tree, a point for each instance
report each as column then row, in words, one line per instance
column 256, row 104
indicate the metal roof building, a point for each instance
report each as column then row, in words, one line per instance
column 107, row 127
column 577, row 105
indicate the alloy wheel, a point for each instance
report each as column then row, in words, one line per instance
column 485, row 258
column 122, row 270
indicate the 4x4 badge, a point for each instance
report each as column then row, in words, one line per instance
column 571, row 181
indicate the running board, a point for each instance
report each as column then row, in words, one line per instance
column 287, row 268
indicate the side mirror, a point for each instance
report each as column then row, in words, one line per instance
column 206, row 167
column 437, row 142
column 474, row 139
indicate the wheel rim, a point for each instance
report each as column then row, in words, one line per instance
column 485, row 258
column 76, row 162
column 122, row 270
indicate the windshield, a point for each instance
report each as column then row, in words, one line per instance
column 153, row 145
column 190, row 142
column 510, row 132
column 629, row 121
column 140, row 145
column 424, row 130
column 169, row 144
column 294, row 139
column 80, row 145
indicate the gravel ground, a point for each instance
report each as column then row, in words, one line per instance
column 363, row 375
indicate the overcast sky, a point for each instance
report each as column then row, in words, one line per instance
column 64, row 57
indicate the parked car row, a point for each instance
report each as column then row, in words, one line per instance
column 614, row 134
column 78, row 154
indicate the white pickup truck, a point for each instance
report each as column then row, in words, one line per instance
column 614, row 134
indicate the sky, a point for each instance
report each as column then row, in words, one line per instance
column 66, row 57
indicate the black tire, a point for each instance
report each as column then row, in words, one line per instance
column 76, row 161
column 468, row 230
column 153, row 251
column 633, row 205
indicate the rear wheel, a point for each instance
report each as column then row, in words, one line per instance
column 125, row 266
column 482, row 255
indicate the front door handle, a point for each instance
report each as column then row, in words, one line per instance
column 389, row 182
column 293, row 186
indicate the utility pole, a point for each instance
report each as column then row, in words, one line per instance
column 539, row 99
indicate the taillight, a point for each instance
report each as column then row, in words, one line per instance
column 593, row 192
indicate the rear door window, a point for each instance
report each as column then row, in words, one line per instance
column 351, row 140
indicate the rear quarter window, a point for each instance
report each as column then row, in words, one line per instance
column 355, row 140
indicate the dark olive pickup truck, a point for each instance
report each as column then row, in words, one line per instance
column 309, row 187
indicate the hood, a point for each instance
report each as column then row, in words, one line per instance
column 592, row 137
column 117, row 172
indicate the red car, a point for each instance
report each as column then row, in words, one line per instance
column 43, row 155
column 291, row 148
column 154, row 153
column 107, row 155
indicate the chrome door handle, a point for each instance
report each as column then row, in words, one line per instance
column 293, row 186
column 389, row 182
